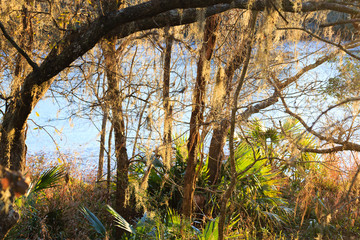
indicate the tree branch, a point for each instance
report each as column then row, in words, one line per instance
column 344, row 145
column 14, row 44
column 279, row 86
column 130, row 20
column 324, row 25
column 338, row 45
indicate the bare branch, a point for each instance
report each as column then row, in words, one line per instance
column 306, row 69
column 14, row 44
column 354, row 99
column 333, row 149
column 324, row 25
column 345, row 145
column 338, row 45
column 279, row 86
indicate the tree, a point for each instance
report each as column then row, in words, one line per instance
column 113, row 24
column 196, row 120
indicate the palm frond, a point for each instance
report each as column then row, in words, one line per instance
column 121, row 222
column 211, row 231
column 50, row 178
column 94, row 221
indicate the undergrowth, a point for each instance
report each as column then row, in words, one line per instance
column 314, row 203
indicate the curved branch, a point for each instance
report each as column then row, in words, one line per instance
column 332, row 150
column 14, row 44
column 354, row 99
column 123, row 23
column 279, row 86
column 344, row 145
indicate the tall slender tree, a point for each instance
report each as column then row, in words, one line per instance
column 196, row 120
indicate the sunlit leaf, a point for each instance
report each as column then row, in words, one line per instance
column 50, row 178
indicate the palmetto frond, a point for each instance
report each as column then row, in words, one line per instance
column 120, row 221
column 48, row 179
column 94, row 221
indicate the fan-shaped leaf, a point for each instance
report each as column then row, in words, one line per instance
column 121, row 222
column 50, row 178
column 94, row 221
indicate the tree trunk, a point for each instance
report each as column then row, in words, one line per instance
column 216, row 153
column 102, row 144
column 197, row 112
column 221, row 126
column 108, row 177
column 226, row 196
column 11, row 184
column 8, row 220
column 166, row 101
column 13, row 143
column 117, row 120
column 115, row 103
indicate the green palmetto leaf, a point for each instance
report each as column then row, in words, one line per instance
column 211, row 231
column 173, row 218
column 121, row 222
column 50, row 178
column 93, row 220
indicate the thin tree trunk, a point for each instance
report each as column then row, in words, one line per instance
column 115, row 100
column 109, row 162
column 102, row 144
column 139, row 125
column 117, row 120
column 226, row 196
column 197, row 113
column 216, row 153
column 166, row 101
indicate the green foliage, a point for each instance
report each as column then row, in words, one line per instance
column 93, row 220
column 49, row 179
column 149, row 226
column 298, row 164
column 211, row 230
column 120, row 221
column 38, row 224
column 49, row 211
column 346, row 83
column 258, row 189
column 317, row 230
column 164, row 187
column 280, row 193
